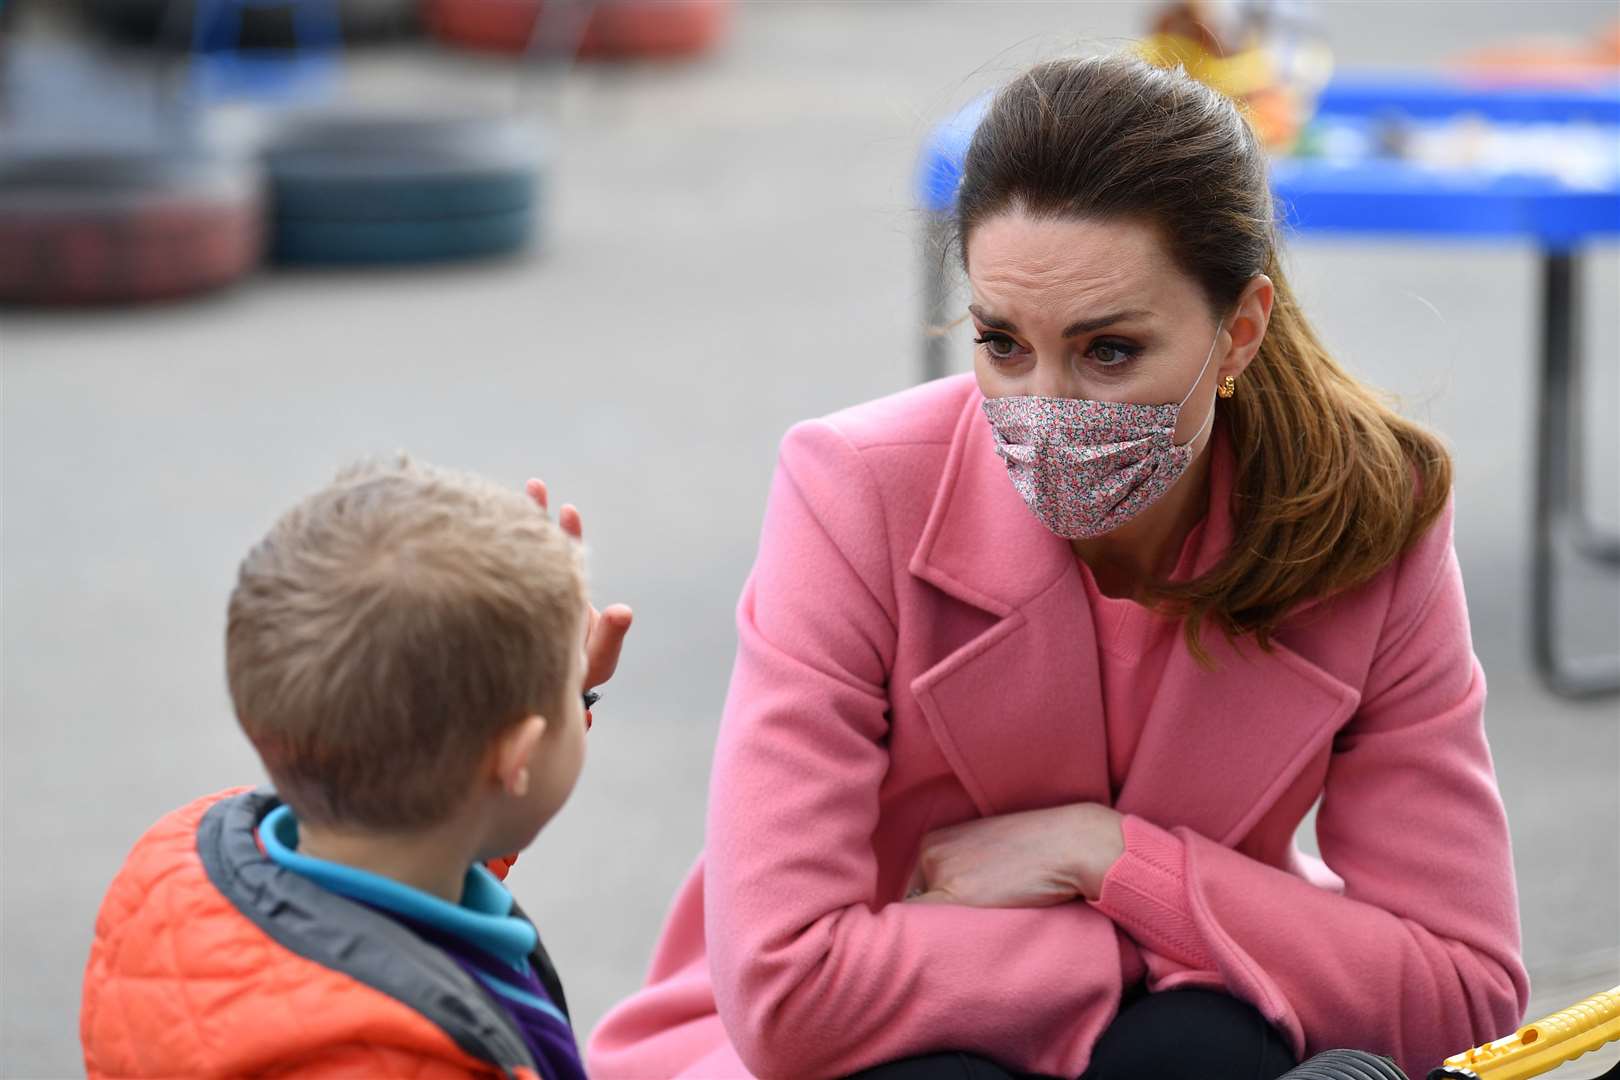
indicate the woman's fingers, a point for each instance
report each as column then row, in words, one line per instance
column 1035, row 858
column 917, row 887
column 936, row 896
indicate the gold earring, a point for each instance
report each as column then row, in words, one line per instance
column 1227, row 387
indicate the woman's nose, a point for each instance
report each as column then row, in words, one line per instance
column 1054, row 377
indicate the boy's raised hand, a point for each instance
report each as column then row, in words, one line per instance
column 604, row 638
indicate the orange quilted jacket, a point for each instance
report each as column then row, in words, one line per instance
column 211, row 961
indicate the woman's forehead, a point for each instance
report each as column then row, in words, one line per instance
column 1084, row 261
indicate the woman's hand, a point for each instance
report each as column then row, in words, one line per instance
column 1034, row 859
column 604, row 637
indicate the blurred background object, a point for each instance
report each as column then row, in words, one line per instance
column 234, row 54
column 108, row 227
column 378, row 187
column 1540, row 59
column 346, row 184
column 251, row 24
column 1270, row 56
column 610, row 28
column 730, row 247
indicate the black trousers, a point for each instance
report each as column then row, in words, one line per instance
column 1176, row 1035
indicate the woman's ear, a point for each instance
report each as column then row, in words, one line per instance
column 1247, row 326
column 514, row 750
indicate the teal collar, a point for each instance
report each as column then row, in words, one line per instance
column 483, row 919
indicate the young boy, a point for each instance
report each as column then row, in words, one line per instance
column 405, row 650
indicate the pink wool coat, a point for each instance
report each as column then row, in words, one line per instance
column 916, row 650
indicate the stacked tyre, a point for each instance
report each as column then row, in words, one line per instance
column 616, row 28
column 388, row 189
column 113, row 227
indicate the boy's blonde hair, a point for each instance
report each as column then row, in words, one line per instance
column 388, row 628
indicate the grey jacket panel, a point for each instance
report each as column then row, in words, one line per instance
column 339, row 934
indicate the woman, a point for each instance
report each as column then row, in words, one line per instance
column 1039, row 671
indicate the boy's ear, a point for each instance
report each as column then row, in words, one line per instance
column 514, row 749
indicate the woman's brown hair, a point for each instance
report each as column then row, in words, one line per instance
column 1332, row 485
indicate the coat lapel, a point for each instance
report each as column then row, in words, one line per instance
column 1221, row 746
column 1017, row 711
column 1026, row 690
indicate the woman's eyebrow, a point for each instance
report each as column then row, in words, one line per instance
column 1081, row 326
column 990, row 320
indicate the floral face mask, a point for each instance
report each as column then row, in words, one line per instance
column 1084, row 467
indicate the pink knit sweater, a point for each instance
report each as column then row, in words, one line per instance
column 1146, row 891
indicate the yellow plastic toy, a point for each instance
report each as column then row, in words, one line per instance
column 1265, row 55
column 1532, row 1050
column 1542, row 1046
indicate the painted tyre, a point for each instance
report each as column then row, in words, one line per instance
column 617, row 28
column 311, row 243
column 97, row 228
column 401, row 188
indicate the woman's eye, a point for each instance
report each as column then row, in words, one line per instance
column 999, row 346
column 1112, row 353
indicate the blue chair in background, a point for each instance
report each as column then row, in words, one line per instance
column 221, row 68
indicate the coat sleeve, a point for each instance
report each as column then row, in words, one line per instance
column 814, row 974
column 1419, row 958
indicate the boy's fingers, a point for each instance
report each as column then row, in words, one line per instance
column 618, row 618
column 605, row 649
column 615, row 620
column 537, row 491
column 607, row 641
column 570, row 521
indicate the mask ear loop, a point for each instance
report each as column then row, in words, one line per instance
column 1210, row 418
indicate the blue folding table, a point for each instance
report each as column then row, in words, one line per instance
column 1370, row 194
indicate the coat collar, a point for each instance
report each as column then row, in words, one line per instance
column 981, row 544
column 1018, row 710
